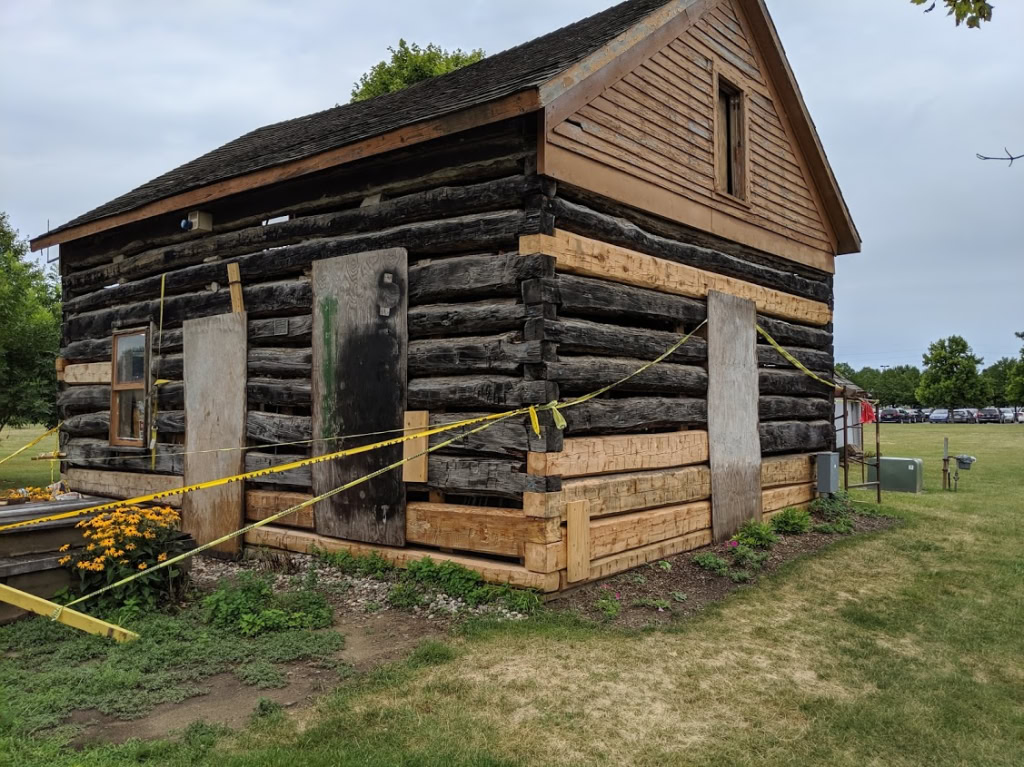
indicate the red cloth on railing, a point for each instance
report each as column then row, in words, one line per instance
column 867, row 412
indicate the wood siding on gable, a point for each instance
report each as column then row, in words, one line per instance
column 657, row 125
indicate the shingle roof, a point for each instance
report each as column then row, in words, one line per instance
column 517, row 69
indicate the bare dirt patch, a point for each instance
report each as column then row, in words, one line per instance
column 682, row 588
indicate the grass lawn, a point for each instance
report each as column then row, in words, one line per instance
column 898, row 648
column 22, row 471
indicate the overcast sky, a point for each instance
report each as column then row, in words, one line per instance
column 97, row 97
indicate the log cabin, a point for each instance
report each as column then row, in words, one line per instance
column 522, row 230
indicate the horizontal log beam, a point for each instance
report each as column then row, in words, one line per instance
column 795, row 436
column 633, row 414
column 791, row 383
column 627, row 560
column 504, row 354
column 476, row 392
column 777, row 498
column 492, row 316
column 99, row 454
column 776, row 408
column 589, row 456
column 787, row 470
column 575, row 336
column 578, row 375
column 123, row 484
column 588, row 257
column 492, row 571
column 632, row 531
column 260, row 504
column 634, row 491
column 582, row 220
column 481, row 529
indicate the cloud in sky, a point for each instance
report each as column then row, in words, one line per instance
column 100, row 96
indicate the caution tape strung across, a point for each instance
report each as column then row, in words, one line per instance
column 36, row 441
column 794, row 361
column 532, row 410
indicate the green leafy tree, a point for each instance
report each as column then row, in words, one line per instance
column 950, row 378
column 846, row 371
column 410, row 64
column 998, row 377
column 1015, row 379
column 29, row 335
column 971, row 12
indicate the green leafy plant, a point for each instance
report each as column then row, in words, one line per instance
column 609, row 602
column 833, row 507
column 839, row 527
column 712, row 563
column 404, row 596
column 249, row 606
column 678, row 596
column 747, row 558
column 664, row 565
column 740, row 576
column 792, row 521
column 758, row 535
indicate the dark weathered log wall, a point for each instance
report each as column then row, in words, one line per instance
column 457, row 205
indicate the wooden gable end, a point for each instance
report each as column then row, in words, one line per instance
column 649, row 140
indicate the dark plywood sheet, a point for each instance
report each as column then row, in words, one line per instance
column 215, row 351
column 733, row 443
column 360, row 350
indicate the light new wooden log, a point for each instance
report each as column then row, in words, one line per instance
column 87, row 373
column 627, row 560
column 123, row 484
column 577, row 541
column 787, row 470
column 492, row 571
column 260, row 504
column 588, row 456
column 734, row 452
column 584, row 256
column 215, row 417
column 617, row 493
column 480, row 529
column 776, row 498
column 415, row 468
column 612, row 535
column 545, row 557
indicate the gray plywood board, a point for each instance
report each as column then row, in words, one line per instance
column 733, row 443
column 215, row 374
column 360, row 349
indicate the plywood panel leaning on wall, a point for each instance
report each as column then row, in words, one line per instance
column 733, row 443
column 360, row 347
column 215, row 351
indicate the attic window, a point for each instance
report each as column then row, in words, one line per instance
column 730, row 141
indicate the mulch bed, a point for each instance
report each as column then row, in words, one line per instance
column 700, row 587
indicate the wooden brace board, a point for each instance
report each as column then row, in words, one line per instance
column 215, row 350
column 360, row 350
column 733, row 442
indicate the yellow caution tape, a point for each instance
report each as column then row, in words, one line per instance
column 554, row 406
column 795, row 362
column 274, row 517
column 36, row 441
column 534, row 421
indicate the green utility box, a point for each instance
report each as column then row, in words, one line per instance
column 899, row 475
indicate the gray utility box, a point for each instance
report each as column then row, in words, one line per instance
column 828, row 472
column 899, row 475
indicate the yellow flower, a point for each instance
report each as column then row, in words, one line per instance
column 83, row 565
column 90, row 547
column 129, row 546
column 65, row 547
column 107, row 542
column 63, row 560
column 162, row 557
column 142, row 565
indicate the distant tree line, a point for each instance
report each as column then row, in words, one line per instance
column 952, row 377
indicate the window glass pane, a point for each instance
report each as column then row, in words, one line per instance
column 131, row 414
column 131, row 358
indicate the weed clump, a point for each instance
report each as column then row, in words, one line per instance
column 837, row 511
column 792, row 521
column 248, row 605
column 757, row 535
column 712, row 563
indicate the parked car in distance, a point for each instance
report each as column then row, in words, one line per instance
column 1020, row 417
column 939, row 415
column 1008, row 416
column 964, row 415
column 990, row 415
column 917, row 416
column 891, row 415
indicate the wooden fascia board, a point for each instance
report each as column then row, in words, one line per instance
column 511, row 106
column 767, row 40
column 570, row 90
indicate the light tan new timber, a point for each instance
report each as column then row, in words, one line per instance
column 587, row 456
column 260, row 504
column 777, row 498
column 123, row 484
column 577, row 541
column 235, row 286
column 626, row 560
column 65, row 615
column 543, row 505
column 481, row 529
column 416, row 468
column 787, row 470
column 493, row 572
column 87, row 373
column 618, row 493
column 612, row 535
column 593, row 258
column 545, row 557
